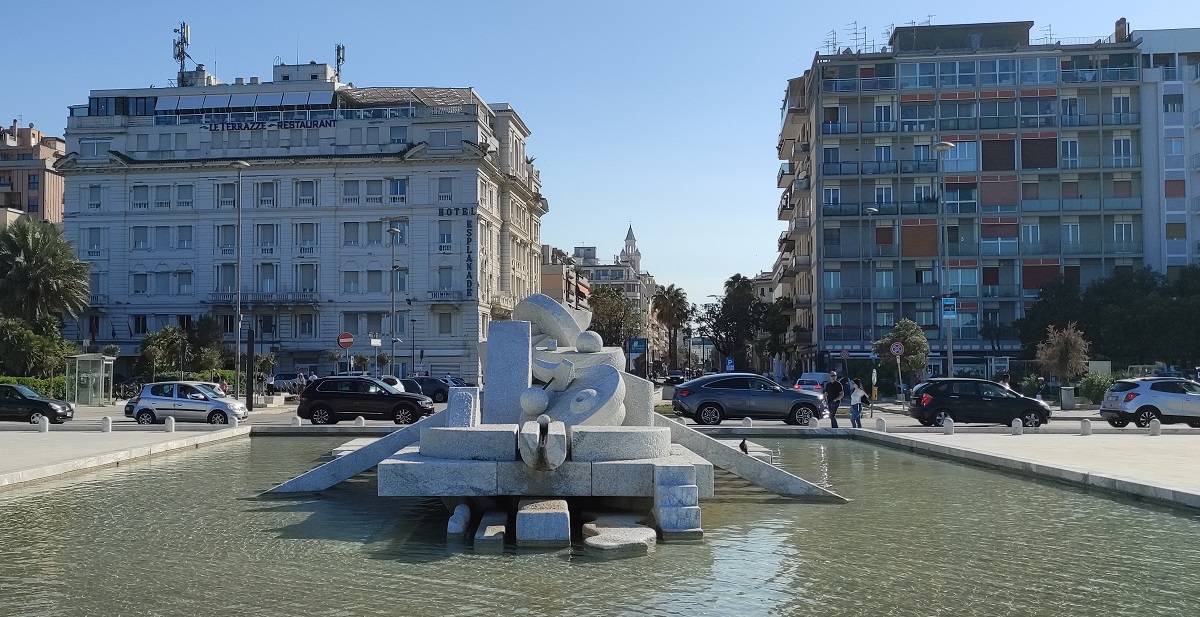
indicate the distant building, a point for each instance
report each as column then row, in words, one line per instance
column 561, row 279
column 29, row 183
column 624, row 272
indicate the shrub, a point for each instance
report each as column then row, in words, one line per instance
column 1094, row 385
column 54, row 387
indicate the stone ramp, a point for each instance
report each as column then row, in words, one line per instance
column 749, row 468
column 363, row 458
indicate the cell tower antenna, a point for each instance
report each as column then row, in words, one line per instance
column 339, row 58
column 179, row 45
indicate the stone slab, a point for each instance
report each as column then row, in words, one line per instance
column 508, row 371
column 462, row 407
column 614, row 536
column 678, row 519
column 674, row 474
column 543, row 523
column 639, row 400
column 705, row 478
column 353, row 445
column 410, row 474
column 678, row 496
column 623, row 479
column 569, row 479
column 456, row 527
column 486, row 442
column 490, row 534
column 618, row 443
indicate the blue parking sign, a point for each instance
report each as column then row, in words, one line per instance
column 949, row 308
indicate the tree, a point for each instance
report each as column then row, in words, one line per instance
column 163, row 351
column 25, row 353
column 732, row 323
column 775, row 323
column 1064, row 352
column 382, row 360
column 208, row 359
column 361, row 361
column 614, row 317
column 112, row 350
column 916, row 346
column 672, row 310
column 40, row 274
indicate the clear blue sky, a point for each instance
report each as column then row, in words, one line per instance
column 660, row 114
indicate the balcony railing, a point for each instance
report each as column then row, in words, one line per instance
column 1121, row 119
column 1040, row 205
column 1129, row 73
column 839, row 169
column 1083, row 247
column 993, row 247
column 838, row 128
column 1080, row 119
column 1035, row 122
column 1124, row 247
column 139, row 205
column 1122, row 203
column 1001, row 291
column 839, row 85
column 1122, row 162
column 226, row 202
column 878, row 127
column 1042, row 247
column 957, row 124
column 265, row 297
column 787, row 171
column 962, row 249
column 840, row 210
column 99, row 299
column 918, row 126
column 922, row 291
column 1075, row 205
column 877, row 83
column 1079, row 162
column 998, row 122
column 918, row 167
column 880, row 167
column 446, row 295
column 1080, row 76
column 918, row 207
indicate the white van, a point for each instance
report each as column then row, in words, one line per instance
column 813, row 382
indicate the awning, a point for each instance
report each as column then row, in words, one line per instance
column 242, row 100
column 191, row 102
column 216, row 101
column 166, row 103
column 269, row 99
column 295, row 98
column 320, row 98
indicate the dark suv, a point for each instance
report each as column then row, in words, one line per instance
column 332, row 399
column 973, row 400
column 434, row 388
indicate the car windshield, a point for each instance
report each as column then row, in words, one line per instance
column 27, row 391
column 208, row 391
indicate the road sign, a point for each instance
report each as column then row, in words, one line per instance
column 949, row 308
column 637, row 346
column 376, row 342
column 845, row 354
column 897, row 349
column 345, row 340
column 728, row 365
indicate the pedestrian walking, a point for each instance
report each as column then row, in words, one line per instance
column 1006, row 381
column 858, row 398
column 224, row 386
column 833, row 397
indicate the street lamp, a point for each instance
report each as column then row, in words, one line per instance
column 237, row 344
column 868, row 259
column 413, row 323
column 941, row 148
column 395, row 238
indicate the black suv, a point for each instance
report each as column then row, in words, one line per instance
column 332, row 399
column 973, row 400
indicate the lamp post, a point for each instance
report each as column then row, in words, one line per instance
column 237, row 344
column 394, row 233
column 413, row 323
column 941, row 148
column 869, row 260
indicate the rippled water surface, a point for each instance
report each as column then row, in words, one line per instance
column 182, row 535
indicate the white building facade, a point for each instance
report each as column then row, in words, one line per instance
column 344, row 187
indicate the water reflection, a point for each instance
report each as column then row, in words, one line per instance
column 181, row 535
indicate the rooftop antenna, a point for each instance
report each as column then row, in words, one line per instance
column 1049, row 30
column 928, row 19
column 179, row 46
column 831, row 42
column 339, row 58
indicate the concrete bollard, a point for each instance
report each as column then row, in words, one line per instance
column 1155, row 428
column 747, row 422
column 106, row 424
column 1017, row 426
column 1085, row 427
column 296, row 421
column 169, row 424
column 233, row 422
column 948, row 427
column 44, row 425
column 881, row 425
column 360, row 421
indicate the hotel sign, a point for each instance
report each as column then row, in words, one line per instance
column 259, row 126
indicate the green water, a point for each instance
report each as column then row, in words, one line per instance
column 182, row 535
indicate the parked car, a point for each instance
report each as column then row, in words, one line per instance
column 332, row 399
column 812, row 385
column 283, row 382
column 186, row 401
column 411, row 385
column 675, row 378
column 1169, row 400
column 455, row 382
column 973, row 400
column 433, row 387
column 711, row 399
column 24, row 404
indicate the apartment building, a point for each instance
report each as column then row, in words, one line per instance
column 624, row 272
column 29, row 185
column 561, row 278
column 969, row 161
column 384, row 212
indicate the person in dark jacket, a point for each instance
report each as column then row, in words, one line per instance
column 833, row 397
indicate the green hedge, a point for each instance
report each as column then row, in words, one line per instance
column 55, row 387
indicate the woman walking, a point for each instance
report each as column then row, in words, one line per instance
column 857, row 399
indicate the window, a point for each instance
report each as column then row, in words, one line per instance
column 962, row 157
column 953, row 74
column 831, row 195
column 964, row 281
column 374, row 233
column 1070, row 233
column 401, row 279
column 1038, row 111
column 1069, row 151
column 162, row 238
column 1039, row 70
column 350, row 281
column 917, row 117
column 445, row 189
column 183, row 283
column 883, row 194
column 31, row 205
column 350, row 234
column 1172, row 103
column 140, row 325
column 445, row 139
column 267, row 276
column 1173, row 146
column 444, row 232
column 832, row 279
column 997, row 72
column 94, row 148
column 227, row 323
column 375, row 322
column 445, row 278
column 445, row 324
column 140, row 284
column 883, row 154
column 1123, row 232
column 1120, row 104
column 227, row 237
column 1174, row 231
column 884, row 279
column 918, row 75
column 93, row 238
column 399, row 134
column 924, row 276
column 183, row 195
column 141, row 237
column 958, row 115
column 401, row 235
column 832, row 236
column 266, row 194
column 374, row 281
column 831, row 154
column 306, row 193
column 306, row 277
column 350, row 192
column 304, row 325
column 350, row 323
column 266, row 236
column 398, row 190
column 833, row 319
column 374, row 192
column 305, row 235
column 1031, row 233
column 885, row 318
column 33, row 181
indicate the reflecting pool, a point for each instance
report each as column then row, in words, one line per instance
column 183, row 535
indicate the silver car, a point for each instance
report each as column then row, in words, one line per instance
column 186, row 401
column 1166, row 399
column 711, row 399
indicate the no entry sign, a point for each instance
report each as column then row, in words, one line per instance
column 345, row 340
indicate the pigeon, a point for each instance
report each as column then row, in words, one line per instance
column 743, row 448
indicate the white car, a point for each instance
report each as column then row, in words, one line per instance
column 1166, row 399
column 186, row 401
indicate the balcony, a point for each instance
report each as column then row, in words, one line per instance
column 1040, row 205
column 1037, row 122
column 840, row 210
column 838, row 128
column 839, row 169
column 799, row 225
column 445, row 295
column 962, row 249
column 886, row 250
column 786, row 243
column 877, row 83
column 1042, row 247
column 918, row 207
column 918, row 167
column 1001, row 291
column 139, row 205
column 306, row 250
column 1079, row 120
column 785, row 209
column 1124, row 248
column 842, row 293
column 878, row 127
column 1120, row 119
column 920, row 292
column 1086, row 247
column 998, row 122
column 843, row 333
column 99, row 299
column 1080, row 76
column 1122, row 162
column 1078, row 205
column 1129, row 73
column 1079, row 162
column 787, row 172
column 999, row 247
column 839, row 85
column 874, row 168
column 957, row 124
column 445, row 248
column 882, row 207
column 1122, row 203
column 265, row 297
column 226, row 202
column 918, row 126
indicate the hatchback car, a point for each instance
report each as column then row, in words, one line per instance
column 186, row 401
column 812, row 385
column 709, row 400
column 330, row 400
column 1166, row 399
column 974, row 400
column 24, row 404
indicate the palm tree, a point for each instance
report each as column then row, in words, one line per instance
column 40, row 275
column 672, row 310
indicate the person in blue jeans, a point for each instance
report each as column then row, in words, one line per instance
column 858, row 398
column 833, row 397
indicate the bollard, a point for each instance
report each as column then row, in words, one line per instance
column 948, row 427
column 360, row 421
column 296, row 421
column 1155, row 428
column 169, row 424
column 44, row 425
column 881, row 425
column 1017, row 426
column 106, row 424
column 233, row 422
column 1085, row 427
column 747, row 422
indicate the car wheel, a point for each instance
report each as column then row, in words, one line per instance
column 218, row 417
column 708, row 414
column 36, row 417
column 1031, row 419
column 439, row 397
column 145, row 416
column 940, row 417
column 1194, row 423
column 1118, row 423
column 800, row 415
column 1145, row 415
column 404, row 415
column 322, row 415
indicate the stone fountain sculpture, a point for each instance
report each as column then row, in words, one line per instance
column 561, row 430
